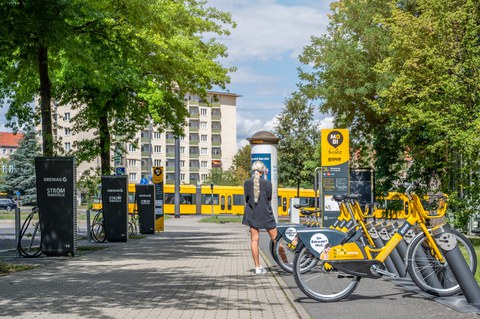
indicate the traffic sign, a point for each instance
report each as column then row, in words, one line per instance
column 144, row 181
column 120, row 171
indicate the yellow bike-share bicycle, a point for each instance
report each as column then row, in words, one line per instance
column 339, row 260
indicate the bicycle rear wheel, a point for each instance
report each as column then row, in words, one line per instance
column 429, row 274
column 319, row 281
column 98, row 232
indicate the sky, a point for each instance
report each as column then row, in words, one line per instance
column 264, row 47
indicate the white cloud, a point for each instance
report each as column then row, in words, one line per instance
column 325, row 123
column 246, row 127
column 267, row 30
column 251, row 76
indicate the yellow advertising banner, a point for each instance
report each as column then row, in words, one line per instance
column 335, row 147
column 157, row 176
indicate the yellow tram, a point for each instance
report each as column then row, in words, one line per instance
column 222, row 200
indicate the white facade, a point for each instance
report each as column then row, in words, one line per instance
column 209, row 141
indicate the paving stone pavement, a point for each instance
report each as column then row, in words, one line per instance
column 192, row 270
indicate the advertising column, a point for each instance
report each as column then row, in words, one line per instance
column 56, row 202
column 335, row 171
column 157, row 179
column 264, row 149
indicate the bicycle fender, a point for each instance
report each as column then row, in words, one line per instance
column 316, row 239
column 289, row 232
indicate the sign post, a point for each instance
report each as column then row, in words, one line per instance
column 157, row 179
column 335, row 171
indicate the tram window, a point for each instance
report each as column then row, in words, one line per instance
column 284, row 204
column 222, row 201
column 229, row 202
column 169, row 198
column 187, row 199
column 207, row 199
column 238, row 200
column 310, row 201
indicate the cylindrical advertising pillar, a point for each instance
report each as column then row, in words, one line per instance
column 264, row 148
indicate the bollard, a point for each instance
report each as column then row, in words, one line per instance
column 89, row 237
column 447, row 242
column 17, row 229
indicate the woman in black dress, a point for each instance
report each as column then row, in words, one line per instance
column 258, row 210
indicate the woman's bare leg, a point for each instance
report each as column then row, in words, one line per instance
column 254, row 235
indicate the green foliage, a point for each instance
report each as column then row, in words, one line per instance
column 297, row 148
column 22, row 178
column 403, row 77
column 218, row 176
column 88, row 185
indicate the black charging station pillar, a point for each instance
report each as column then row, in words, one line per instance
column 115, row 207
column 145, row 196
column 56, row 201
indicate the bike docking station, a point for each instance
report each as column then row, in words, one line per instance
column 57, row 209
column 115, row 208
column 447, row 243
column 145, row 200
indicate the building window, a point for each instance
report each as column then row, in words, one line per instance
column 193, row 150
column 193, row 124
column 66, row 117
column 67, row 131
column 194, row 164
column 132, row 162
column 203, row 111
column 4, row 151
column 182, row 177
column 194, row 176
column 170, row 163
column 170, row 176
column 216, row 151
column 132, row 148
column 204, row 151
column 182, row 149
column 203, row 125
column 204, row 177
column 157, row 162
column 67, row 146
column 157, row 135
column 216, row 138
column 132, row 176
column 4, row 168
column 204, row 138
column 182, row 163
column 204, row 164
column 216, row 126
column 169, row 136
column 11, row 168
column 193, row 137
column 157, row 149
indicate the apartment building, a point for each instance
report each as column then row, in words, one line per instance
column 209, row 141
column 9, row 142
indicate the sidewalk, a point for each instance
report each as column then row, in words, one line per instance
column 192, row 270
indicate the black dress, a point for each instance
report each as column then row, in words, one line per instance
column 258, row 215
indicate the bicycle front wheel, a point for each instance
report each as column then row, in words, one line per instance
column 432, row 276
column 319, row 280
column 98, row 232
column 283, row 255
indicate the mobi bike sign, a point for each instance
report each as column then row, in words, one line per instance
column 335, row 173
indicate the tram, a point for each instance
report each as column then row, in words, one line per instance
column 196, row 200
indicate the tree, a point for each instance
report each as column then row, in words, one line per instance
column 33, row 33
column 22, row 177
column 242, row 163
column 299, row 138
column 141, row 67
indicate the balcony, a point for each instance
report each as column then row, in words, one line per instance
column 170, row 169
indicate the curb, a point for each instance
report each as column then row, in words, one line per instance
column 302, row 313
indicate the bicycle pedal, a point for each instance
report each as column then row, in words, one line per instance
column 377, row 270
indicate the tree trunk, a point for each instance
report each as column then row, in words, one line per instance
column 45, row 102
column 104, row 142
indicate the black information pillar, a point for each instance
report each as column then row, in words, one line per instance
column 57, row 207
column 145, row 195
column 115, row 207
